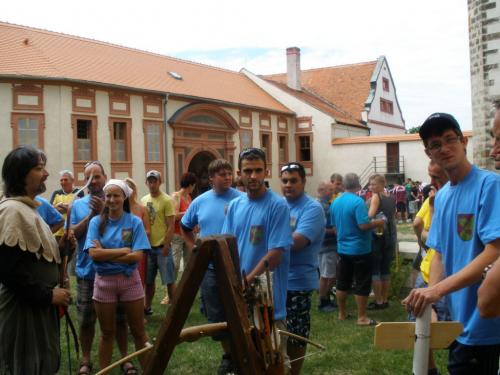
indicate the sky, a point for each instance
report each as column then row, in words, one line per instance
column 426, row 42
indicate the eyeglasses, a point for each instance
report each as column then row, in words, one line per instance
column 253, row 150
column 291, row 167
column 448, row 141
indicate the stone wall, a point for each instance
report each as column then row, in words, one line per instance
column 484, row 44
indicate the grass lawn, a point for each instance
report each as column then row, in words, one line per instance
column 349, row 348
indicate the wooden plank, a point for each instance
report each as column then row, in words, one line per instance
column 401, row 335
column 179, row 309
column 243, row 349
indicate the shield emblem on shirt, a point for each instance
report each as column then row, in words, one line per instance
column 465, row 226
column 127, row 237
column 256, row 234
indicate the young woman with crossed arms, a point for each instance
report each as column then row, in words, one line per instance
column 116, row 240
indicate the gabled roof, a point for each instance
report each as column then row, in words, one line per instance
column 39, row 54
column 345, row 87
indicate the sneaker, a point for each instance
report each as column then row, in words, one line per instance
column 326, row 308
column 148, row 311
column 226, row 365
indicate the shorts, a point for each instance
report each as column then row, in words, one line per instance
column 328, row 264
column 212, row 306
column 118, row 288
column 473, row 359
column 85, row 305
column 158, row 262
column 382, row 256
column 179, row 250
column 440, row 306
column 355, row 269
column 413, row 207
column 298, row 318
column 400, row 207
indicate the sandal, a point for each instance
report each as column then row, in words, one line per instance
column 85, row 368
column 128, row 368
column 165, row 301
column 371, row 322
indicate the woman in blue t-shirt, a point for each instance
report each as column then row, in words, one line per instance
column 115, row 241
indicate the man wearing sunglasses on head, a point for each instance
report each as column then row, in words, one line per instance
column 307, row 222
column 465, row 232
column 260, row 220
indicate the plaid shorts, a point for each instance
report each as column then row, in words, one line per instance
column 298, row 319
column 85, row 305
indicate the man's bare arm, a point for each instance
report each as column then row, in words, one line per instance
column 299, row 241
column 169, row 234
column 273, row 256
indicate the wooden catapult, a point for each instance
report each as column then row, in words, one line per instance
column 254, row 348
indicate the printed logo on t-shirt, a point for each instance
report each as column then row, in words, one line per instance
column 127, row 236
column 256, row 234
column 151, row 212
column 465, row 226
column 293, row 222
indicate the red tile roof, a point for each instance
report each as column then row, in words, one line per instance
column 384, row 138
column 345, row 86
column 27, row 52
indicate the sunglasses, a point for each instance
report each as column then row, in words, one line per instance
column 254, row 151
column 292, row 167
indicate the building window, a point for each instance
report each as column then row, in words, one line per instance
column 27, row 129
column 119, row 141
column 304, row 148
column 385, row 84
column 283, row 148
column 265, row 145
column 83, row 99
column 27, row 97
column 245, row 139
column 386, row 106
column 83, row 139
column 153, row 144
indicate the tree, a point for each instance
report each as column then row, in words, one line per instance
column 413, row 130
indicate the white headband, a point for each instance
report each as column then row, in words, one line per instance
column 121, row 184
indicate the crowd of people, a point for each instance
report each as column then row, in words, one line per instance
column 342, row 242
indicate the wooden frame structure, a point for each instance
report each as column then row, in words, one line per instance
column 223, row 252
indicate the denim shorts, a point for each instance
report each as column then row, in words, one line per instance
column 158, row 262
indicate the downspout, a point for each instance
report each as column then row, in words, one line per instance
column 165, row 140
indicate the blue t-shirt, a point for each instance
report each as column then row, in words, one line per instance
column 307, row 218
column 466, row 217
column 260, row 225
column 209, row 211
column 127, row 231
column 348, row 211
column 47, row 212
column 84, row 265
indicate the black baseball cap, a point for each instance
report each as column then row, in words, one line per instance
column 437, row 123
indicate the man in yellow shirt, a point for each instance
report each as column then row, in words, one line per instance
column 161, row 215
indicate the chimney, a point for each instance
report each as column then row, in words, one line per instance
column 293, row 68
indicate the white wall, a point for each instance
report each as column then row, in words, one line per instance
column 376, row 114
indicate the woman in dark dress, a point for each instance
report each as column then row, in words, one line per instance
column 383, row 242
column 29, row 257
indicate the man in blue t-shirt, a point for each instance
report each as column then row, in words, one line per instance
column 307, row 222
column 465, row 232
column 350, row 219
column 82, row 211
column 208, row 211
column 49, row 214
column 260, row 220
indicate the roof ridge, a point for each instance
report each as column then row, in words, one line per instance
column 109, row 44
column 325, row 67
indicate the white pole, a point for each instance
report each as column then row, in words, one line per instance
column 422, row 343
